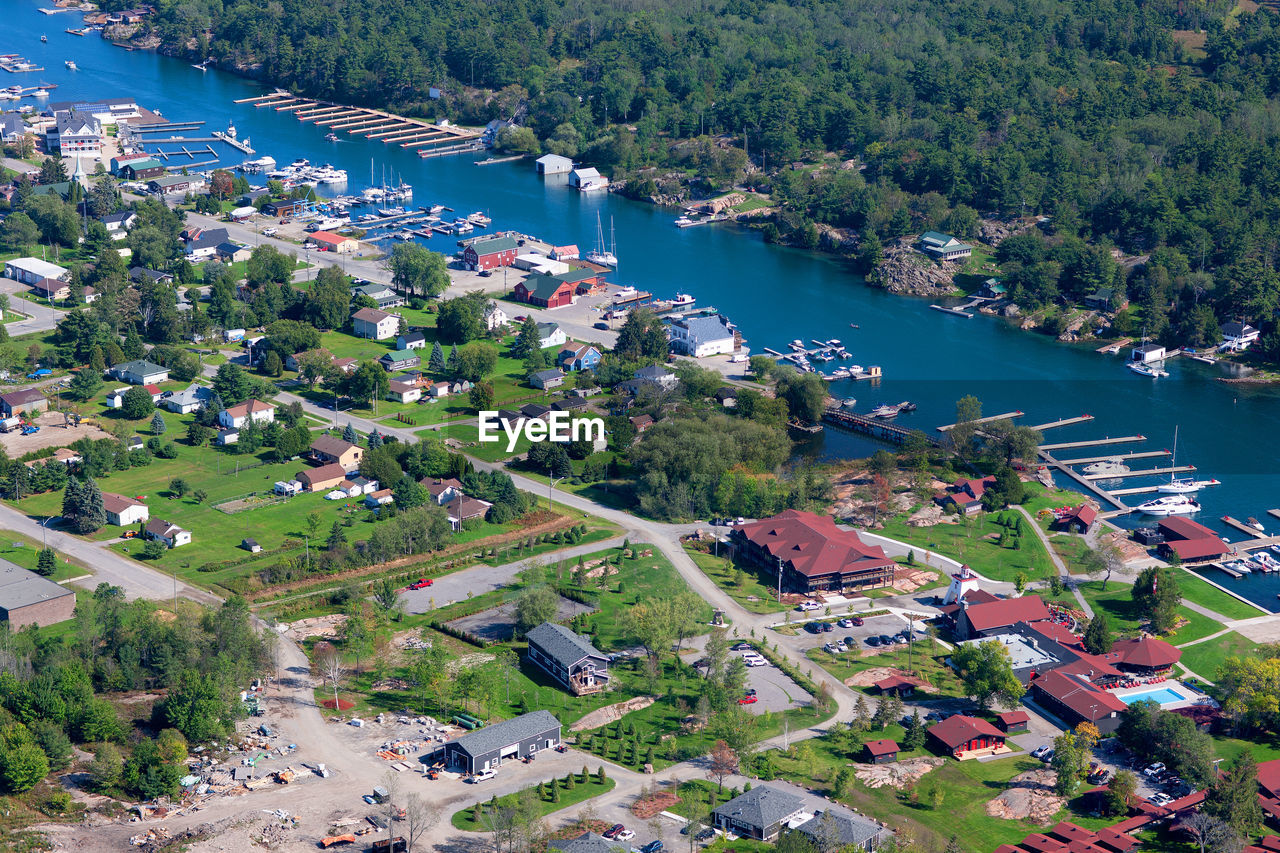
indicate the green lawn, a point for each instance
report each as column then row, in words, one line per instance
column 1204, row 658
column 967, row 541
column 25, row 552
column 1196, row 589
column 1123, row 617
column 546, row 803
column 743, row 583
column 933, row 669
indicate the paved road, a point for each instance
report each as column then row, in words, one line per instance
column 1057, row 562
column 40, row 317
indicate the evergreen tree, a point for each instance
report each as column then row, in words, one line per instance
column 337, row 536
column 158, row 426
column 349, row 435
column 47, row 563
column 436, row 362
column 1097, row 637
column 375, row 440
column 528, row 340
column 72, row 499
column 915, row 734
column 453, row 360
column 93, row 513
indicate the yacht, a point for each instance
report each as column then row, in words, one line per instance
column 1270, row 562
column 1255, row 524
column 1238, row 566
column 462, row 226
column 1107, row 466
column 683, row 300
column 391, row 211
column 71, row 65
column 886, row 411
column 479, row 219
column 797, row 344
column 1169, row 505
column 601, row 255
column 849, row 402
column 1147, row 370
column 840, row 373
column 907, row 406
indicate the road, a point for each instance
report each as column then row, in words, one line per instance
column 40, row 317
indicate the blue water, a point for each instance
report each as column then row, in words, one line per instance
column 1162, row 696
column 773, row 293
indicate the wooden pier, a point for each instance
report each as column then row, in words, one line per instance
column 1244, row 528
column 1062, row 423
column 335, row 119
column 1113, row 348
column 1136, row 490
column 1257, row 544
column 1087, row 460
column 371, row 124
column 1145, row 472
column 1067, row 445
column 1222, row 568
column 1087, row 484
column 1007, row 416
column 875, row 427
column 460, row 148
column 1274, row 512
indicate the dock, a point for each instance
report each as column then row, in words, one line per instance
column 1062, row 423
column 186, row 152
column 1088, row 460
column 1145, row 472
column 1258, row 543
column 1135, row 490
column 233, row 142
column 1087, row 484
column 1007, row 416
column 1246, row 529
column 956, row 311
column 1067, row 445
column 369, row 123
column 1222, row 568
column 875, row 427
column 1113, row 348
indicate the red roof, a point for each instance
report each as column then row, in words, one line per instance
column 1057, row 632
column 1093, row 666
column 329, row 238
column 1198, row 549
column 976, row 488
column 893, row 682
column 1270, row 844
column 151, row 389
column 1013, row 718
column 812, row 543
column 1269, row 776
column 1006, row 611
column 1147, row 651
column 878, row 748
column 958, row 730
column 1085, row 514
column 1176, row 527
column 1083, row 698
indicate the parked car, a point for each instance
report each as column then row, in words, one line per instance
column 748, row 700
column 829, row 648
column 886, row 640
column 806, row 606
column 705, row 834
column 1154, row 769
column 652, row 847
column 813, row 627
column 612, row 832
column 482, row 776
column 421, row 583
column 841, row 648
column 754, row 660
column 873, row 641
column 857, row 621
column 604, row 327
column 827, row 627
column 845, row 623
column 750, row 691
column 1160, row 799
column 625, row 835
column 740, row 647
column 850, row 642
column 270, row 232
column 1039, row 752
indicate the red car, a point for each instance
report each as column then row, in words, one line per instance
column 748, row 700
column 612, row 831
column 422, row 583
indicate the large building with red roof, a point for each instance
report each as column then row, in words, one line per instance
column 962, row 734
column 1190, row 540
column 1074, row 699
column 995, row 617
column 813, row 554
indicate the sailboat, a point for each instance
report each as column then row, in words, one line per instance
column 601, row 255
column 1182, row 485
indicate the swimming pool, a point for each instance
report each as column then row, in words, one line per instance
column 1164, row 696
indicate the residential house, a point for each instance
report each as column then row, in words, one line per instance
column 230, row 253
column 141, row 274
column 727, row 397
column 704, row 336
column 235, row 417
column 551, row 335
column 576, row 357
column 337, row 243
column 992, row 288
column 119, row 224
column 881, row 751
column 510, row 740
column 553, row 164
column 442, row 491
column 546, row 379
column 52, row 289
column 27, row 401
column 962, row 736
column 1078, row 520
column 494, row 316
column 966, row 495
column 1190, row 540
column 194, row 398
column 641, row 422
column 813, row 554
column 438, row 390
column 381, row 294
column 490, row 253
column 1104, row 299
column 226, row 437
column 403, row 392
column 399, row 360
column 545, row 291
column 172, row 535
column 1238, row 337
column 378, row 498
column 463, row 509
column 760, row 813
column 12, row 127
column 323, row 478
column 570, row 404
column 328, row 449
column 374, row 324
column 590, row 842
column 563, row 253
column 895, row 685
column 32, row 270
column 846, row 831
column 412, row 339
column 123, row 511
column 944, row 247
column 657, row 376
column 568, row 658
column 202, row 243
column 534, row 411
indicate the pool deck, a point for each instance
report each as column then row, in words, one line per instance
column 1191, row 696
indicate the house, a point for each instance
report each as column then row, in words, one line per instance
column 704, row 336
column 1078, row 520
column 996, row 617
column 28, row 599
column 123, row 511
column 330, row 242
column 463, row 509
column 1013, row 722
column 657, row 376
column 551, row 335
column 227, row 437
column 1103, row 299
column 442, row 491
column 966, row 494
column 27, row 401
column 760, row 813
column 328, row 449
column 576, row 357
column 323, row 478
column 570, row 404
column 74, row 132
column 829, row 829
column 587, row 179
column 546, row 379
column 553, row 164
column 534, row 411
column 494, row 316
column 31, row 270
column 545, row 291
column 944, row 247
column 202, row 243
column 355, row 485
column 142, row 274
column 812, row 554
column 641, row 422
column 399, row 360
column 118, row 224
column 438, row 390
column 587, row 842
column 1238, row 337
column 727, row 397
column 1191, row 541
column 185, row 402
column 173, row 184
column 172, row 535
column 510, row 740
column 539, row 264
column 346, row 366
column 1075, row 700
column 91, row 295
column 881, row 751
column 378, row 498
column 115, row 399
column 374, row 324
column 250, row 545
column 144, row 169
column 381, row 294
column 230, row 253
column 563, row 253
column 964, row 737
column 412, row 339
column 1147, row 353
column 61, row 456
column 568, row 658
column 490, row 253
column 235, row 417
column 51, row 289
column 139, row 372
column 993, row 289
column 284, row 208
column 403, row 392
column 895, row 685
column 13, row 127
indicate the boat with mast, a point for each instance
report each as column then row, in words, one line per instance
column 605, row 257
column 1182, row 485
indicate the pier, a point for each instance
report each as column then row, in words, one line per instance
column 1261, row 541
column 1067, row 445
column 187, row 152
column 1145, row 472
column 1063, row 422
column 875, row 427
column 371, row 124
column 1246, row 529
column 1088, row 460
column 1086, row 484
column 1113, row 348
column 460, row 148
column 233, row 142
column 1007, row 416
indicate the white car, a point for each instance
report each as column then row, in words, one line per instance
column 482, row 776
column 270, row 232
column 753, row 659
column 1161, row 799
column 625, row 835
column 806, row 606
column 1154, row 769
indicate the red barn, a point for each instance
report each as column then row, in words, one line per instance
column 544, row 291
column 961, row 734
column 490, row 253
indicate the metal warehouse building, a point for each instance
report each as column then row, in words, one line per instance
column 28, row 599
column 513, row 739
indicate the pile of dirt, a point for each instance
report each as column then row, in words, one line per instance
column 316, row 626
column 1030, row 796
column 610, row 713
column 906, row 579
column 900, row 775
column 648, row 805
column 343, row 704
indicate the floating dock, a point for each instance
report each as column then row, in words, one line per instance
column 233, row 142
column 372, row 124
column 1087, row 460
column 875, row 427
column 956, row 311
column 1097, row 442
column 1113, row 348
column 1062, row 423
column 1145, row 472
column 1007, row 416
column 1244, row 528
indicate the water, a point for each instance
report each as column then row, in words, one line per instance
column 773, row 293
column 1162, row 696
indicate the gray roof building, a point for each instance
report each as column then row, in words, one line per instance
column 28, row 599
column 587, row 842
column 562, row 645
column 759, row 813
column 516, row 738
column 842, row 830
column 568, row 658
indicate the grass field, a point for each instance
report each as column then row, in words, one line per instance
column 1204, row 658
column 581, row 791
column 919, row 659
column 743, row 584
column 969, row 541
column 22, row 551
column 1196, row 589
column 1123, row 617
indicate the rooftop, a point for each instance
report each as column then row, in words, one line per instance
column 493, row 737
column 812, row 543
column 21, row 588
column 562, row 645
column 762, row 806
column 958, row 730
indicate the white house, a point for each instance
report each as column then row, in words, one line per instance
column 553, row 164
column 412, row 339
column 237, row 416
column 403, row 392
column 123, row 511
column 703, row 336
column 1147, row 353
column 1238, row 337
column 140, row 372
column 374, row 324
column 170, row 534
column 551, row 335
column 188, row 401
column 587, row 179
column 494, row 316
column 119, row 224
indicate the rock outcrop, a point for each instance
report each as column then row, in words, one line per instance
column 907, row 272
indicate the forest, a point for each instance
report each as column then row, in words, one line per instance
column 1105, row 115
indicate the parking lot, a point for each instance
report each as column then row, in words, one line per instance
column 872, row 626
column 774, row 690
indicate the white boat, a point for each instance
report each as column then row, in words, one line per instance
column 683, row 300
column 797, row 344
column 1169, row 505
column 332, row 137
column 840, row 373
column 463, row 227
column 391, row 211
column 71, row 64
column 849, row 402
column 479, row 219
column 1238, row 566
column 601, row 255
column 684, row 222
column 1107, row 466
column 1147, row 370
column 823, row 355
column 886, row 411
column 1255, row 524
column 1271, row 563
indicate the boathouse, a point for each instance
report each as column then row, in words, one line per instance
column 491, row 253
column 544, row 291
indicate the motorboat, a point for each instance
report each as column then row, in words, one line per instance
column 600, row 255
column 1147, row 370
column 71, row 65
column 683, row 300
column 1107, row 466
column 797, row 344
column 840, row 373
column 1169, row 505
column 463, row 227
column 907, row 406
column 1238, row 566
column 886, row 411
column 332, row 137
column 849, row 402
column 823, row 355
column 391, row 211
column 1255, row 524
column 1272, row 564
column 684, row 222
column 479, row 219
column 835, row 343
